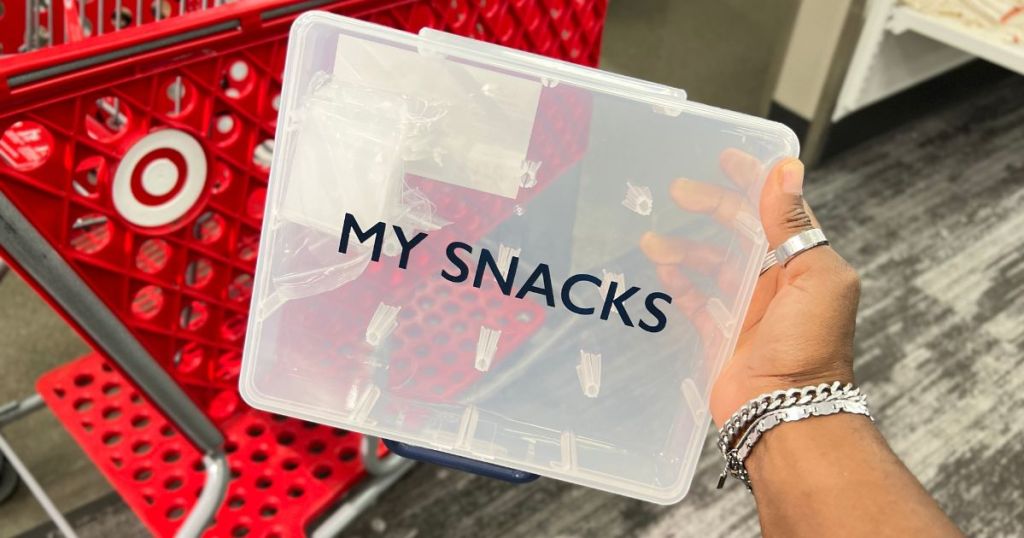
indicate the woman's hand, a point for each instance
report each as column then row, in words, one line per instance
column 799, row 328
column 815, row 476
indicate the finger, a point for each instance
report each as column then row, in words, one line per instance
column 666, row 250
column 730, row 274
column 700, row 197
column 784, row 210
column 782, row 204
column 742, row 168
column 784, row 213
column 685, row 296
column 673, row 256
column 764, row 292
column 691, row 302
column 810, row 213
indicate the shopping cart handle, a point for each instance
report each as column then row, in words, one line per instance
column 489, row 470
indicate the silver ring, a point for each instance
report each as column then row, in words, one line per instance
column 799, row 243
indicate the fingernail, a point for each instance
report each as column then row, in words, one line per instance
column 793, row 177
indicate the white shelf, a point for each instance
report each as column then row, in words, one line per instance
column 954, row 34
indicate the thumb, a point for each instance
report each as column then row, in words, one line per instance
column 782, row 203
column 784, row 213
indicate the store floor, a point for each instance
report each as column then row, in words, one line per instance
column 929, row 213
column 33, row 340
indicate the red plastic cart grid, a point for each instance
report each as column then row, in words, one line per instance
column 182, row 286
column 72, row 112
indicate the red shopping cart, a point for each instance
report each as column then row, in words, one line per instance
column 136, row 136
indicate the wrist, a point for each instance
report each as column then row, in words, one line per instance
column 761, row 414
column 840, row 371
column 731, row 397
column 837, row 473
column 808, row 449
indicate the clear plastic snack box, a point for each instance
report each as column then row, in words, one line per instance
column 502, row 256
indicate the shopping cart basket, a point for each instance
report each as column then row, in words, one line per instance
column 135, row 142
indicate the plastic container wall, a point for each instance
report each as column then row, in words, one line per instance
column 503, row 256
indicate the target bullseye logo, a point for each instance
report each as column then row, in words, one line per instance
column 159, row 179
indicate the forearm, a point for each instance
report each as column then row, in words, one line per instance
column 836, row 476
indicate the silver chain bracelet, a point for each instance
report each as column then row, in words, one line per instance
column 743, row 429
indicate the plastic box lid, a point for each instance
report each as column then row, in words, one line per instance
column 502, row 256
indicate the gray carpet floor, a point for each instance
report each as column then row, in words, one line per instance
column 931, row 214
